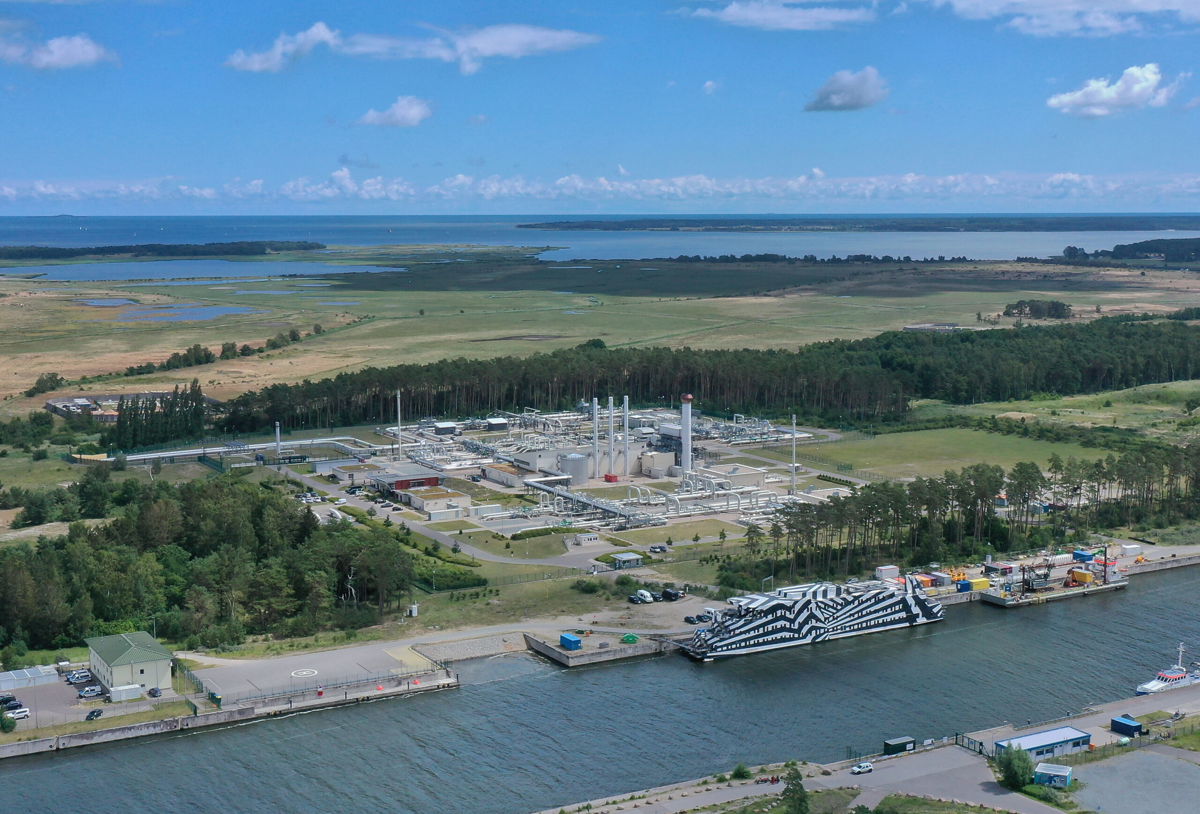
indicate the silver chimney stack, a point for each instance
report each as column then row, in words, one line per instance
column 685, row 455
column 595, row 437
column 612, row 436
column 625, row 430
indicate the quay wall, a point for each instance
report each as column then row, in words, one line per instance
column 1163, row 564
column 577, row 658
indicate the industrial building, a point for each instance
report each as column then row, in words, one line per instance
column 1064, row 740
column 396, row 477
column 129, row 658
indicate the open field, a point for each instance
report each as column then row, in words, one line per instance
column 931, row 452
column 1156, row 409
column 532, row 548
column 501, row 302
column 681, row 532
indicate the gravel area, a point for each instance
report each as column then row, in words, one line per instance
column 473, row 648
column 1141, row 782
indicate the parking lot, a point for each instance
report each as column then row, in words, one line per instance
column 59, row 703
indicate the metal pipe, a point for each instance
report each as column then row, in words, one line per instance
column 399, row 430
column 793, row 489
column 278, row 455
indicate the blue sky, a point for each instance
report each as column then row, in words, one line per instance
column 409, row 107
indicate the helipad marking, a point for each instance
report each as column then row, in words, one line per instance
column 304, row 672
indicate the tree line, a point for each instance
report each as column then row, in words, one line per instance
column 146, row 420
column 954, row 518
column 1038, row 309
column 867, row 380
column 204, row 562
column 242, row 248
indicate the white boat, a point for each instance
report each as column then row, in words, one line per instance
column 1171, row 678
column 804, row 614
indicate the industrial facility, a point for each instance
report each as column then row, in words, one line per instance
column 597, row 466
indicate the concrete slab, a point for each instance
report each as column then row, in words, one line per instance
column 1141, row 782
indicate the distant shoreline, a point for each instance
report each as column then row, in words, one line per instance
column 947, row 224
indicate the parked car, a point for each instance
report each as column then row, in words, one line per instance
column 18, row 714
column 862, row 768
column 657, row 597
column 703, row 617
column 94, row 714
column 634, row 599
column 81, row 678
column 7, row 699
column 91, row 691
column 341, row 501
column 11, row 705
column 154, row 692
column 670, row 594
column 658, row 549
column 690, row 620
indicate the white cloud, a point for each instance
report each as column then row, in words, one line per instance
column 785, row 15
column 621, row 171
column 816, row 188
column 468, row 47
column 287, row 47
column 850, row 90
column 406, row 111
column 710, row 87
column 1090, row 18
column 1139, row 86
column 76, row 51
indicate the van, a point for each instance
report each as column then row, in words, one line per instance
column 91, row 691
column 645, row 596
column 18, row 714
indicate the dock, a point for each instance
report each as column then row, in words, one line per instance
column 1041, row 598
column 597, row 649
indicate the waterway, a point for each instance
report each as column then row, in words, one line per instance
column 500, row 230
column 522, row 735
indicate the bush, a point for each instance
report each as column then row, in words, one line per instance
column 741, row 772
column 40, row 454
column 587, row 586
column 1016, row 768
column 542, row 532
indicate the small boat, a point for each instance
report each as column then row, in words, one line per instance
column 1171, row 678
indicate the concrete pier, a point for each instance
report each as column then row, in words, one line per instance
column 593, row 653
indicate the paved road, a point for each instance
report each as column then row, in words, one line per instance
column 948, row 773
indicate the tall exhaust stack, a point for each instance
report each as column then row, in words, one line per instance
column 625, row 431
column 595, row 437
column 399, row 430
column 278, row 446
column 685, row 455
column 612, row 436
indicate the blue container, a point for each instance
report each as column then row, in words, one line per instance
column 963, row 585
column 1083, row 556
column 569, row 641
column 1124, row 725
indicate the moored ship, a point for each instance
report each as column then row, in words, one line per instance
column 804, row 614
column 1175, row 676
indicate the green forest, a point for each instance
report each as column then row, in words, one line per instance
column 866, row 380
column 953, row 519
column 204, row 563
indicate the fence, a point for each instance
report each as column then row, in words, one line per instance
column 190, row 677
column 830, row 464
column 315, row 687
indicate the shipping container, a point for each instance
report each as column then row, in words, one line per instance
column 941, row 578
column 611, row 478
column 127, row 692
column 999, row 568
column 980, row 584
column 1083, row 556
column 569, row 641
column 887, row 572
column 1082, row 576
column 963, row 585
column 898, row 746
column 1061, row 559
column 925, row 580
column 1130, row 550
column 1125, row 725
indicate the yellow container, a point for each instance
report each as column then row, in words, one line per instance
column 1081, row 576
column 980, row 584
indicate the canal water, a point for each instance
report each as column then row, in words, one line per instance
column 522, row 735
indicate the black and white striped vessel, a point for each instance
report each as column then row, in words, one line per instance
column 803, row 614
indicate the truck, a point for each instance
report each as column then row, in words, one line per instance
column 126, row 692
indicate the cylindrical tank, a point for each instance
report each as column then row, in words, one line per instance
column 575, row 465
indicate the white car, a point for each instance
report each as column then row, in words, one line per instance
column 862, row 768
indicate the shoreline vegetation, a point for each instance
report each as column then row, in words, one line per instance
column 918, row 223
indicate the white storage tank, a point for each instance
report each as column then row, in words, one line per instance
column 575, row 465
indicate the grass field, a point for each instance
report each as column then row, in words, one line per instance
column 532, row 548
column 681, row 532
column 932, row 452
column 499, row 302
column 1157, row 409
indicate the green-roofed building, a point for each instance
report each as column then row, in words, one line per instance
column 130, row 658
